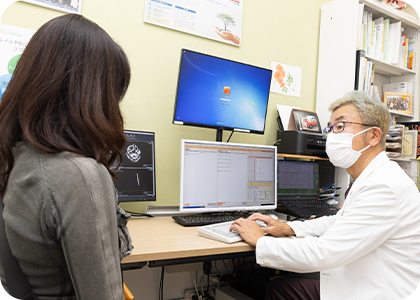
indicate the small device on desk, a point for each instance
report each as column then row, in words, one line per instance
column 222, row 179
column 298, row 190
column 301, row 143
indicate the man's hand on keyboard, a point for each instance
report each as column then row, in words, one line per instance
column 274, row 227
column 248, row 229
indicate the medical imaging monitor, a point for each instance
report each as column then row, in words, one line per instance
column 217, row 176
column 136, row 176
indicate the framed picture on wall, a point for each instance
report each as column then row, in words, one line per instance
column 68, row 6
column 399, row 103
column 304, row 120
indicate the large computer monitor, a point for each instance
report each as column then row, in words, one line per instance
column 218, row 177
column 222, row 94
column 136, row 176
column 297, row 180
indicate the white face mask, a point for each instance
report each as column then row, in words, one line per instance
column 340, row 151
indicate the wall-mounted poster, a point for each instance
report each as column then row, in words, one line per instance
column 68, row 6
column 286, row 79
column 220, row 20
column 12, row 42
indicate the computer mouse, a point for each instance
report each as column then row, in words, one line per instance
column 274, row 216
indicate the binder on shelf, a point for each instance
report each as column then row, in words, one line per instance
column 364, row 28
column 359, row 42
column 394, row 43
column 369, row 34
column 386, row 40
column 398, row 87
column 379, row 27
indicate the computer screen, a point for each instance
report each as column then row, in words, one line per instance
column 218, row 176
column 222, row 94
column 297, row 178
column 136, row 176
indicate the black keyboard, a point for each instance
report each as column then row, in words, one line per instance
column 305, row 203
column 306, row 208
column 210, row 218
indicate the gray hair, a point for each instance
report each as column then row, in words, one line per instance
column 370, row 111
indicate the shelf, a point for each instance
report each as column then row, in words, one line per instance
column 301, row 156
column 387, row 69
column 382, row 9
column 399, row 159
column 401, row 114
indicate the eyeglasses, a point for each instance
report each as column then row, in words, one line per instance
column 339, row 126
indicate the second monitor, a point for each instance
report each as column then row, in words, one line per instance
column 218, row 177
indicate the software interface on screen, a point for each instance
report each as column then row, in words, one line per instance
column 221, row 93
column 221, row 176
column 297, row 178
column 136, row 175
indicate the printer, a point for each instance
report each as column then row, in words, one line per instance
column 300, row 143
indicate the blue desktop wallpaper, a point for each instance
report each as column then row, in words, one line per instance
column 222, row 93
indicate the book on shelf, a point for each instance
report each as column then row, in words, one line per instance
column 403, row 51
column 411, row 48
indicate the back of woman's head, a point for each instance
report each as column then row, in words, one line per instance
column 65, row 93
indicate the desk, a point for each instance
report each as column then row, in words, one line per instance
column 160, row 241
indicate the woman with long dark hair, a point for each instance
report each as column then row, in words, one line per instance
column 61, row 129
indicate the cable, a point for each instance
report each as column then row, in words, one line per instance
column 194, row 279
column 207, row 271
column 161, row 283
column 229, row 137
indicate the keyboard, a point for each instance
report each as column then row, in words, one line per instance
column 306, row 203
column 306, row 208
column 220, row 232
column 210, row 218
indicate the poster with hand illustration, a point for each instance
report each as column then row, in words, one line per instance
column 68, row 6
column 286, row 79
column 13, row 41
column 219, row 20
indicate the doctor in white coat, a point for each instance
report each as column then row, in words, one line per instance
column 371, row 248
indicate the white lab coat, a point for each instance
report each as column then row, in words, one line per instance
column 369, row 250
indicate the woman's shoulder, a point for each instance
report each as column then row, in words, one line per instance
column 62, row 166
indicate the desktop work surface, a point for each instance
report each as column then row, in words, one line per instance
column 160, row 241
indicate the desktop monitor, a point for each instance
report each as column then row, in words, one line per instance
column 222, row 94
column 217, row 177
column 136, row 176
column 297, row 180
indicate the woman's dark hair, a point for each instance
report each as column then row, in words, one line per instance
column 65, row 94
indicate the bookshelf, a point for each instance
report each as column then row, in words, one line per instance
column 337, row 65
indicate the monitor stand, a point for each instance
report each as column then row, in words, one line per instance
column 219, row 135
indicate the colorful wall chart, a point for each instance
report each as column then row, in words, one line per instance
column 219, row 20
column 12, row 42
